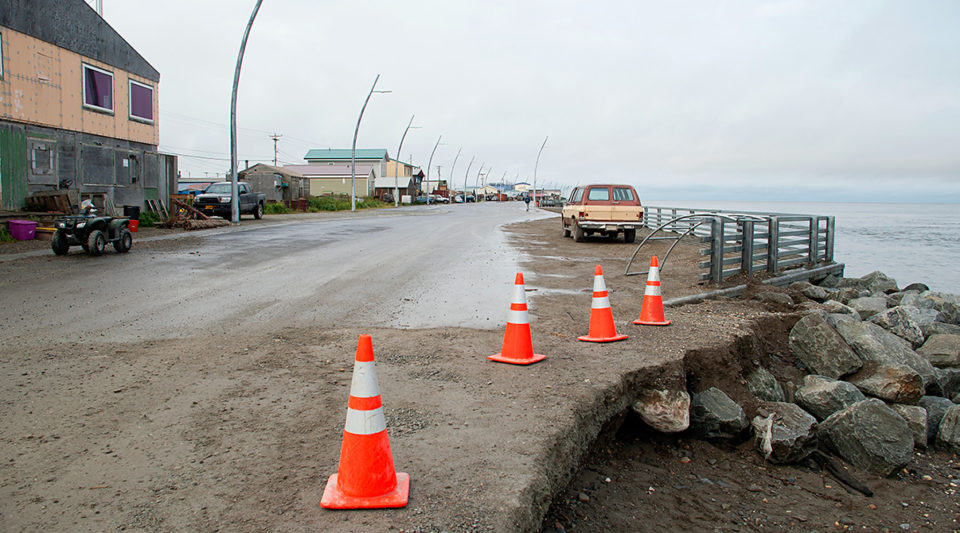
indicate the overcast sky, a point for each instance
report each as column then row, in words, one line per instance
column 779, row 100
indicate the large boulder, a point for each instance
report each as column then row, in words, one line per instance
column 809, row 290
column 786, row 434
column 822, row 396
column 936, row 407
column 948, row 436
column 713, row 415
column 821, row 348
column 942, row 350
column 899, row 321
column 947, row 304
column 948, row 381
column 763, row 385
column 916, row 419
column 666, row 411
column 868, row 306
column 925, row 319
column 835, row 307
column 870, row 436
column 877, row 282
column 891, row 382
column 873, row 343
column 845, row 294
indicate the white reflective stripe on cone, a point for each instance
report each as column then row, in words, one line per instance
column 652, row 290
column 600, row 303
column 364, row 384
column 519, row 295
column 518, row 317
column 598, row 284
column 654, row 274
column 365, row 422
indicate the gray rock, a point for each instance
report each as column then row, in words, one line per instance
column 831, row 281
column 786, row 434
column 666, row 411
column 821, row 348
column 956, row 399
column 948, row 436
column 947, row 304
column 836, row 308
column 926, row 319
column 809, row 290
column 870, row 436
column 935, row 407
column 917, row 287
column 877, row 282
column 713, row 415
column 774, row 297
column 916, row 419
column 873, row 343
column 822, row 396
column 893, row 383
column 899, row 321
column 948, row 381
column 943, row 328
column 942, row 350
column 763, row 385
column 845, row 294
column 868, row 306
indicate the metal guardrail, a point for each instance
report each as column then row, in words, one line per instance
column 746, row 242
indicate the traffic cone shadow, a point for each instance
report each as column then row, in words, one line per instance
column 366, row 478
column 602, row 328
column 517, row 341
column 651, row 310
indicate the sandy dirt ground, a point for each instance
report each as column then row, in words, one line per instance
column 241, row 433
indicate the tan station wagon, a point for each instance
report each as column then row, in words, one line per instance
column 603, row 210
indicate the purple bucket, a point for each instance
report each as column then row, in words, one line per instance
column 22, row 230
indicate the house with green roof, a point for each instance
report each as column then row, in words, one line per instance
column 378, row 158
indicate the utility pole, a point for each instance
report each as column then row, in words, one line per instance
column 275, row 137
column 234, row 192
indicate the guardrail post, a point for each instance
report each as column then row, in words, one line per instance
column 828, row 242
column 716, row 250
column 773, row 245
column 814, row 239
column 746, row 251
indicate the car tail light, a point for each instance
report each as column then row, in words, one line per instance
column 582, row 214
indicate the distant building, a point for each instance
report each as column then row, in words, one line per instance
column 78, row 109
column 334, row 178
column 277, row 184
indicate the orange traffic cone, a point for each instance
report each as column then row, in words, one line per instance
column 366, row 478
column 517, row 343
column 602, row 328
column 651, row 310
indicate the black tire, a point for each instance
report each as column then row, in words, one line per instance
column 96, row 242
column 124, row 243
column 258, row 212
column 59, row 243
column 578, row 235
column 629, row 235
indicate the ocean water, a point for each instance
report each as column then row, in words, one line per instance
column 908, row 242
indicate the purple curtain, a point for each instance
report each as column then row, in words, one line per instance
column 141, row 101
column 99, row 88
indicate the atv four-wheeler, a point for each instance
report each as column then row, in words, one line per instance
column 92, row 232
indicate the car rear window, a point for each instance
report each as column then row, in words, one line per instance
column 576, row 196
column 622, row 194
column 600, row 195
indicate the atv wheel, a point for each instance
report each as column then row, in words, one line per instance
column 124, row 243
column 59, row 243
column 258, row 212
column 96, row 242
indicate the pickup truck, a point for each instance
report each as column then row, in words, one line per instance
column 215, row 200
column 603, row 209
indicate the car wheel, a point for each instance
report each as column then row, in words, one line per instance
column 59, row 243
column 96, row 242
column 629, row 235
column 258, row 212
column 124, row 243
column 578, row 235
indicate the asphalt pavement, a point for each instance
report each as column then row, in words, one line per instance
column 379, row 269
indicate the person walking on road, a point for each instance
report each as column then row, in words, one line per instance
column 526, row 200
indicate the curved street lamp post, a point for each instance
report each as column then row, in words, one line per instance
column 396, row 167
column 234, row 192
column 428, row 168
column 353, row 150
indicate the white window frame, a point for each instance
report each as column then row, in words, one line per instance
column 1, row 55
column 130, row 101
column 113, row 96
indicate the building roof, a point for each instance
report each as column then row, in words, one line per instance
column 340, row 154
column 74, row 25
column 262, row 168
column 388, row 183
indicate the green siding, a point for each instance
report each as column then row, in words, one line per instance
column 151, row 193
column 13, row 167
